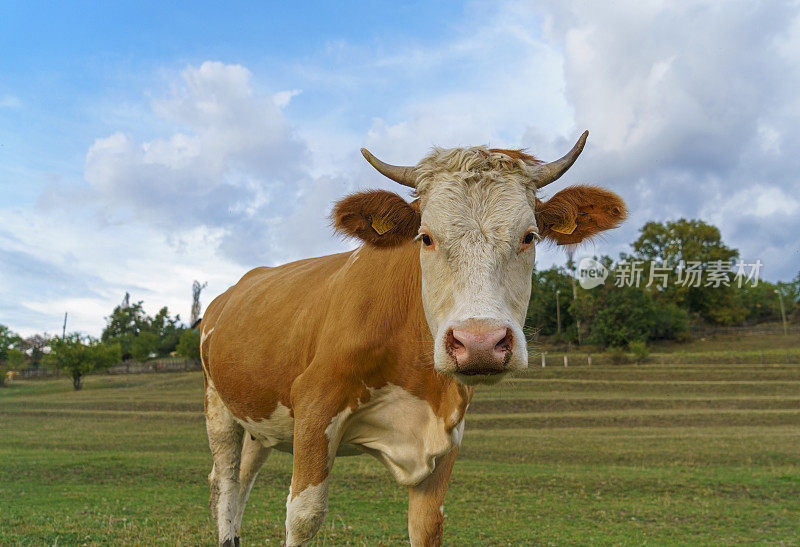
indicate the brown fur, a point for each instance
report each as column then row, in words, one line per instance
column 593, row 209
column 517, row 155
column 353, row 216
column 292, row 334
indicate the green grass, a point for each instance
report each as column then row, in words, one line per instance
column 609, row 455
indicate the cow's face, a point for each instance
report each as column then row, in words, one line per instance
column 477, row 221
column 477, row 248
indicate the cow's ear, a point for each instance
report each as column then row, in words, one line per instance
column 377, row 217
column 578, row 213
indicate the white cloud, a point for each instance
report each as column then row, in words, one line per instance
column 283, row 98
column 691, row 112
column 9, row 101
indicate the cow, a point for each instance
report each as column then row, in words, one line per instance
column 378, row 351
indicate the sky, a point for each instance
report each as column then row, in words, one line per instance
column 144, row 145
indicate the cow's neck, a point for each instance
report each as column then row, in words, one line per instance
column 403, row 335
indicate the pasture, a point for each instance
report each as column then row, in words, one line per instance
column 631, row 454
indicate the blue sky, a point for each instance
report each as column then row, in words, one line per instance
column 144, row 145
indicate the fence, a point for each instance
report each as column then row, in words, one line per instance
column 756, row 330
column 765, row 357
column 166, row 364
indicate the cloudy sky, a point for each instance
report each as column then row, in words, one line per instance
column 144, row 145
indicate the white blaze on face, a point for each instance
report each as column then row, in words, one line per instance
column 474, row 272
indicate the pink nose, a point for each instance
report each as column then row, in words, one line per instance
column 480, row 349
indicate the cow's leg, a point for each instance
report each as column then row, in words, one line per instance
column 225, row 441
column 254, row 454
column 426, row 503
column 318, row 428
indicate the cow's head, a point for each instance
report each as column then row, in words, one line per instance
column 477, row 221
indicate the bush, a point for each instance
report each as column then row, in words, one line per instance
column 670, row 323
column 617, row 356
column 189, row 345
column 640, row 351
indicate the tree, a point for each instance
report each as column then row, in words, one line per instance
column 167, row 331
column 616, row 316
column 542, row 314
column 145, row 346
column 10, row 357
column 124, row 324
column 189, row 345
column 33, row 347
column 673, row 244
column 129, row 321
column 79, row 355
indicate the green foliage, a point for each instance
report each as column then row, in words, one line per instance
column 669, row 322
column 640, row 351
column 189, row 345
column 79, row 355
column 34, row 347
column 8, row 340
column 10, row 357
column 145, row 346
column 619, row 315
column 167, row 330
column 123, row 325
column 139, row 335
column 673, row 243
column 542, row 315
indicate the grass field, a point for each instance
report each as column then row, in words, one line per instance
column 609, row 455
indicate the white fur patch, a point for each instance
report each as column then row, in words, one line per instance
column 402, row 431
column 274, row 431
column 305, row 513
column 334, row 431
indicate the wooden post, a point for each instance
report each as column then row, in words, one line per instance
column 589, row 359
column 543, row 362
column 565, row 360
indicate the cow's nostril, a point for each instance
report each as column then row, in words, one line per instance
column 506, row 342
column 453, row 344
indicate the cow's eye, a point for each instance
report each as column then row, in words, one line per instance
column 426, row 240
column 530, row 236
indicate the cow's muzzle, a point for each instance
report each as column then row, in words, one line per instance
column 479, row 349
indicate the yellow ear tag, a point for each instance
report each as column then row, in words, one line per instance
column 381, row 225
column 566, row 228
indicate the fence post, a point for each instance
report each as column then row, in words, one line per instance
column 589, row 359
column 565, row 360
column 762, row 357
column 543, row 362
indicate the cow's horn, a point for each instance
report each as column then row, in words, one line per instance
column 545, row 173
column 403, row 175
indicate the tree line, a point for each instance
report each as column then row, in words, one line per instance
column 679, row 274
column 129, row 334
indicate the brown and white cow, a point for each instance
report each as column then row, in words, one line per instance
column 377, row 350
